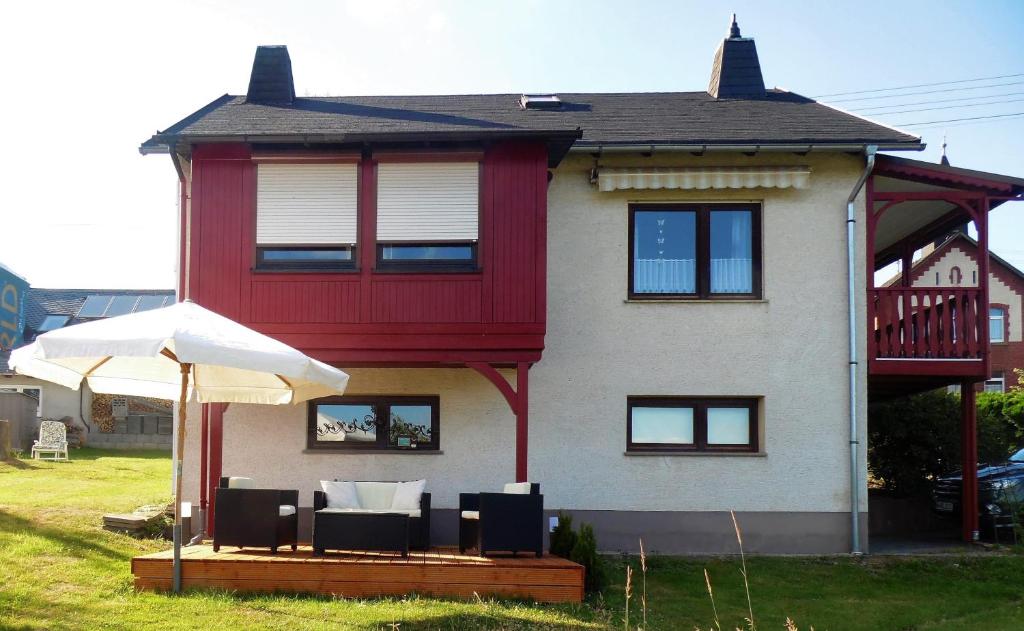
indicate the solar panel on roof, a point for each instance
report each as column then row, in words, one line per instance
column 149, row 302
column 94, row 307
column 121, row 305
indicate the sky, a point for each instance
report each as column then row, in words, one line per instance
column 86, row 82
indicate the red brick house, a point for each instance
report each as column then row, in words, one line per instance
column 954, row 263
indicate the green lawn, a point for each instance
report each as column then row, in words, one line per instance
column 60, row 570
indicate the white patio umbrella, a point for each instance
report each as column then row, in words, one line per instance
column 183, row 351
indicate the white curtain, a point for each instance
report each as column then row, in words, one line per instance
column 664, row 276
column 732, row 270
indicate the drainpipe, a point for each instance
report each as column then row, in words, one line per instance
column 851, row 284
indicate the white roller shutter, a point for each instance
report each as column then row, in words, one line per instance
column 428, row 201
column 306, row 204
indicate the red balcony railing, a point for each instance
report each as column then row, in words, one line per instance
column 927, row 323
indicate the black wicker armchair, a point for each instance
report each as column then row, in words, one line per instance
column 255, row 518
column 502, row 522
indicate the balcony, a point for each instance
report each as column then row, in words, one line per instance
column 925, row 337
column 928, row 331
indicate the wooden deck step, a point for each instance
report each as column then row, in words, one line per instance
column 437, row 572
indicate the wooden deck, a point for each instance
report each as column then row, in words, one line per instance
column 439, row 572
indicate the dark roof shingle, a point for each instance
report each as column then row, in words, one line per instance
column 685, row 118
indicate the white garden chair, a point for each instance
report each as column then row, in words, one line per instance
column 53, row 439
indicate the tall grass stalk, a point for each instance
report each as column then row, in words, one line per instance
column 643, row 570
column 711, row 595
column 743, row 562
column 629, row 593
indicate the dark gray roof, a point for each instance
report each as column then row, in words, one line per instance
column 672, row 118
column 41, row 302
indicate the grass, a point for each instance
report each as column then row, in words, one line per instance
column 60, row 570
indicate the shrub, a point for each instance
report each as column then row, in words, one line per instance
column 563, row 537
column 913, row 440
column 585, row 553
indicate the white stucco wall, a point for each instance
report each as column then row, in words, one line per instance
column 998, row 291
column 789, row 349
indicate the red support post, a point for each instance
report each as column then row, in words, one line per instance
column 522, row 419
column 969, row 458
column 204, row 455
column 216, row 458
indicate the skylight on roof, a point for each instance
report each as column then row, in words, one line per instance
column 53, row 321
column 94, row 307
column 540, row 102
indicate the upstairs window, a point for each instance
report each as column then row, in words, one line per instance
column 428, row 215
column 52, row 322
column 699, row 252
column 306, row 216
column 997, row 324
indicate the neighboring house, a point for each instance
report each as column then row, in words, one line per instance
column 51, row 309
column 637, row 300
column 954, row 263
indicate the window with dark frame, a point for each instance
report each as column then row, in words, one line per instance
column 380, row 423
column 686, row 251
column 427, row 256
column 306, row 257
column 691, row 424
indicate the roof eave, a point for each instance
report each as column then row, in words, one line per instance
column 584, row 146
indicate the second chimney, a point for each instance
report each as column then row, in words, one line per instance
column 271, row 81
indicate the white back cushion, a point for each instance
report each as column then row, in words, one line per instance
column 340, row 494
column 407, row 495
column 376, row 495
column 241, row 483
column 518, row 488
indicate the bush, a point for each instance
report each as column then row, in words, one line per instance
column 913, row 440
column 563, row 537
column 585, row 553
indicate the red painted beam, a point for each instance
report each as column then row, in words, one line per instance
column 969, row 458
column 216, row 460
column 522, row 420
column 204, row 455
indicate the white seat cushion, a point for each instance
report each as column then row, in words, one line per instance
column 471, row 514
column 367, row 511
column 407, row 495
column 284, row 510
column 517, row 488
column 241, row 483
column 376, row 495
column 340, row 494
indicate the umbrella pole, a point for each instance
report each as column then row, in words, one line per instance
column 182, row 414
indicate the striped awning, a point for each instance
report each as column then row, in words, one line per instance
column 701, row 178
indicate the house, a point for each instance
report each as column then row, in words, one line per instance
column 953, row 262
column 144, row 424
column 646, row 302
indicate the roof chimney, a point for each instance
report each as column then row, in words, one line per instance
column 271, row 80
column 736, row 73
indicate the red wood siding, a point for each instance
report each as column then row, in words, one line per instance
column 365, row 317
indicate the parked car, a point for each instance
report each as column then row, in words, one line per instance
column 1000, row 495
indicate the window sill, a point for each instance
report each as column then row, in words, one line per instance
column 426, row 270
column 376, row 452
column 304, row 270
column 698, row 454
column 701, row 301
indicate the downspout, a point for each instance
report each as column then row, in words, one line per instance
column 851, row 284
